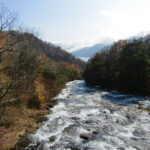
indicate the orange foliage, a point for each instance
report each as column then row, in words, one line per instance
column 42, row 58
column 71, row 66
column 40, row 90
column 45, row 89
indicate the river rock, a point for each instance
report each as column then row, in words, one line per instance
column 131, row 117
column 75, row 118
column 52, row 138
column 51, row 103
column 106, row 111
column 139, row 132
column 95, row 132
column 120, row 148
column 112, row 110
column 84, row 136
column 122, row 122
column 88, row 121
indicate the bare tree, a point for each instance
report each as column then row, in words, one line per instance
column 25, row 29
column 7, row 18
column 7, row 23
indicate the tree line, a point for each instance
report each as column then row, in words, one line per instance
column 125, row 67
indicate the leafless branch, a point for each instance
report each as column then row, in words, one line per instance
column 7, row 18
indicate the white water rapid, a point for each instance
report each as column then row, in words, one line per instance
column 92, row 119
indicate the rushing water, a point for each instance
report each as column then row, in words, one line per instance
column 91, row 119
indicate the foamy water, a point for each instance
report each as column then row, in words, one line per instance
column 91, row 119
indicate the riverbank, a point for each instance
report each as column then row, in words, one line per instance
column 26, row 122
column 22, row 116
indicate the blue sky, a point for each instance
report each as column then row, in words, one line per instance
column 77, row 23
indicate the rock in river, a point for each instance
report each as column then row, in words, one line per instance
column 84, row 136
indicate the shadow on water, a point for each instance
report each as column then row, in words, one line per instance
column 115, row 97
column 83, row 89
column 122, row 99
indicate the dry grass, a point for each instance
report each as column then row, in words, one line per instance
column 19, row 125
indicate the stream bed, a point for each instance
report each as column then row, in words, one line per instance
column 88, row 118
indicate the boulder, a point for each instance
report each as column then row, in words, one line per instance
column 88, row 121
column 75, row 118
column 52, row 138
column 131, row 117
column 84, row 136
column 106, row 111
column 95, row 132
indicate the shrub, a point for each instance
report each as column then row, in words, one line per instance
column 48, row 74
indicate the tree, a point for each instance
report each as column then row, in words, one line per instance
column 7, row 22
column 7, row 18
column 135, row 66
column 125, row 67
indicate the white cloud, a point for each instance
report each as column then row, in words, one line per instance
column 114, row 23
column 71, row 46
column 123, row 24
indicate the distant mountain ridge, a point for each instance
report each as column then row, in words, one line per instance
column 88, row 52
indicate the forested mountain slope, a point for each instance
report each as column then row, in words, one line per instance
column 31, row 73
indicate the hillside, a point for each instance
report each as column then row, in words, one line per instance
column 32, row 72
column 55, row 53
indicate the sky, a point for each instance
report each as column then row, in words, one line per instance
column 74, row 24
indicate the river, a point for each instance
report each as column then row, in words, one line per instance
column 92, row 119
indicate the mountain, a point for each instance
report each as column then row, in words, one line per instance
column 87, row 52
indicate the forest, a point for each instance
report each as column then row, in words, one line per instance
column 31, row 73
column 123, row 67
